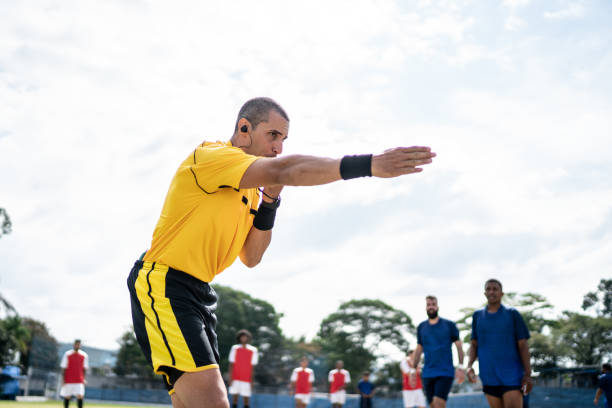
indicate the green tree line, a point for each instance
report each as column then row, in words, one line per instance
column 367, row 334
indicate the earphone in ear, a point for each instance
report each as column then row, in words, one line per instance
column 244, row 128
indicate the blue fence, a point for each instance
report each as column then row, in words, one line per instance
column 541, row 397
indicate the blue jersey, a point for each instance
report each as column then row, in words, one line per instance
column 365, row 387
column 498, row 355
column 436, row 340
column 605, row 383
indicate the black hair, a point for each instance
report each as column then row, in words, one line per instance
column 494, row 281
column 606, row 366
column 243, row 332
column 257, row 110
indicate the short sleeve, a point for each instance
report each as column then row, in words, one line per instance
column 347, row 376
column 520, row 328
column 474, row 326
column 232, row 354
column 405, row 367
column 86, row 362
column 294, row 375
column 330, row 376
column 219, row 166
column 255, row 358
column 311, row 376
column 454, row 332
column 64, row 362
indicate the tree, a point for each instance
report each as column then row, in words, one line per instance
column 130, row 359
column 356, row 330
column 586, row 340
column 5, row 223
column 13, row 339
column 600, row 299
column 41, row 346
column 238, row 310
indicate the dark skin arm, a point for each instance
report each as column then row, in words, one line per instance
column 472, row 356
column 597, row 396
column 527, row 382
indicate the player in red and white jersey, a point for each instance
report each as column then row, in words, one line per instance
column 338, row 379
column 242, row 358
column 302, row 378
column 412, row 388
column 74, row 365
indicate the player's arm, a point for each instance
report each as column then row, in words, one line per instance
column 417, row 355
column 472, row 356
column 230, row 370
column 597, row 396
column 460, row 354
column 298, row 170
column 527, row 382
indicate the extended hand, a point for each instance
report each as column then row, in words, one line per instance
column 401, row 160
column 460, row 375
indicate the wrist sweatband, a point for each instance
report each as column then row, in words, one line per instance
column 356, row 166
column 264, row 219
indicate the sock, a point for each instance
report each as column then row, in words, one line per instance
column 66, row 403
column 80, row 403
column 234, row 405
column 246, row 405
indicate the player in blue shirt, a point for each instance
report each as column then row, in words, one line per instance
column 499, row 341
column 366, row 390
column 605, row 385
column 435, row 337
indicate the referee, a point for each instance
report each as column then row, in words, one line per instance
column 214, row 213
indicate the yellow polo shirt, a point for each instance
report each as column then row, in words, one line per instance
column 206, row 217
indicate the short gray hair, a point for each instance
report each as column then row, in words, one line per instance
column 257, row 110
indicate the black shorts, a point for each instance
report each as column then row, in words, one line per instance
column 499, row 390
column 174, row 320
column 437, row 387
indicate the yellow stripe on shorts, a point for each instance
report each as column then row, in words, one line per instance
column 168, row 346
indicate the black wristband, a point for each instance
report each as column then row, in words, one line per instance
column 264, row 219
column 356, row 166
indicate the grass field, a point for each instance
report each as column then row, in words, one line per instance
column 59, row 404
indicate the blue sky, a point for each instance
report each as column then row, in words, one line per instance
column 102, row 101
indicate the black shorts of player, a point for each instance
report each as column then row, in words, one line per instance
column 499, row 390
column 174, row 320
column 437, row 387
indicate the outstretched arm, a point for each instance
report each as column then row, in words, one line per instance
column 297, row 170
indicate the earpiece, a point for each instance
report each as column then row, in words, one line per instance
column 244, row 128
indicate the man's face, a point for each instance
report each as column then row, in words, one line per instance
column 339, row 365
column 76, row 345
column 432, row 308
column 304, row 363
column 493, row 293
column 268, row 137
column 244, row 339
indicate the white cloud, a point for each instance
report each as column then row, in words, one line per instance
column 574, row 10
column 514, row 23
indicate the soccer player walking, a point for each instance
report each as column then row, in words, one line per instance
column 412, row 387
column 302, row 378
column 74, row 365
column 338, row 379
column 604, row 385
column 499, row 341
column 242, row 358
column 435, row 337
column 214, row 212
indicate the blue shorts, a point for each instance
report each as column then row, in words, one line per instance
column 437, row 387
